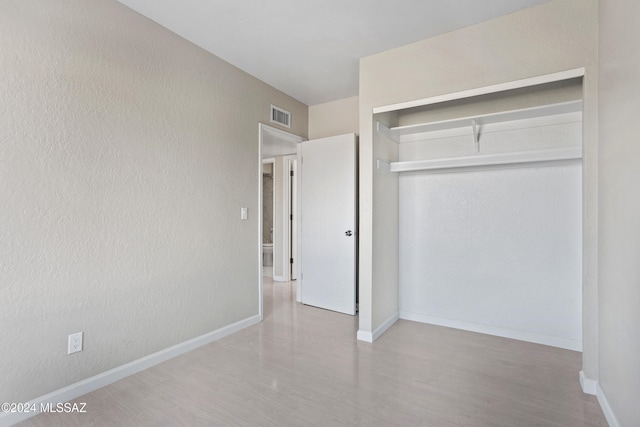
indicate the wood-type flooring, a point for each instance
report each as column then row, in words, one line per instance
column 302, row 366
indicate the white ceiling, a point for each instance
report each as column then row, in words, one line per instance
column 310, row 49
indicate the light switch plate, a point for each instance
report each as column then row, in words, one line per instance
column 244, row 214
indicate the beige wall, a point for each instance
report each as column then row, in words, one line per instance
column 125, row 156
column 556, row 36
column 619, row 214
column 333, row 118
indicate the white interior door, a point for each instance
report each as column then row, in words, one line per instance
column 328, row 220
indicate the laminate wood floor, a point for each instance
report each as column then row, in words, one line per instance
column 302, row 366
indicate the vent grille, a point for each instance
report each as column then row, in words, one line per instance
column 280, row 116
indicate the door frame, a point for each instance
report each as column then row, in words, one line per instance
column 292, row 193
column 289, row 236
column 282, row 223
column 280, row 140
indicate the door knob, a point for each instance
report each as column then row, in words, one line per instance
column 348, row 233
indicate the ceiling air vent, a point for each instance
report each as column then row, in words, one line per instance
column 280, row 116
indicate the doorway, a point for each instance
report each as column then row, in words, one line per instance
column 277, row 150
column 268, row 210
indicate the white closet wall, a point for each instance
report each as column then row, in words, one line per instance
column 493, row 249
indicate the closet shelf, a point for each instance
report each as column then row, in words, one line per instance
column 483, row 160
column 402, row 134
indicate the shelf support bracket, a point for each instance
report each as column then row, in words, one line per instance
column 476, row 136
column 386, row 132
column 383, row 165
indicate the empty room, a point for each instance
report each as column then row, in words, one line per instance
column 319, row 213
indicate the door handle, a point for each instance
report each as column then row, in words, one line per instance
column 348, row 233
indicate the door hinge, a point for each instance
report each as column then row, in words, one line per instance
column 290, row 260
column 291, row 173
column 291, row 217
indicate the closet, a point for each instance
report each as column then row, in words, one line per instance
column 490, row 212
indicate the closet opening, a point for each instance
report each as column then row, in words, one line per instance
column 490, row 212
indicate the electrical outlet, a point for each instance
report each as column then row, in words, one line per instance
column 75, row 343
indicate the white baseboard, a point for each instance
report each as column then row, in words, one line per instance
column 279, row 279
column 606, row 407
column 365, row 336
column 105, row 378
column 494, row 330
column 589, row 386
column 372, row 336
column 385, row 325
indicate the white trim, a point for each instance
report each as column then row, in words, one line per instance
column 495, row 330
column 259, row 208
column 365, row 336
column 285, row 224
column 385, row 325
column 372, row 336
column 282, row 134
column 292, row 167
column 516, row 84
column 589, row 386
column 95, row 382
column 606, row 408
column 300, row 261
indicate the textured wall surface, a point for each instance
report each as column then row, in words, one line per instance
column 495, row 248
column 333, row 118
column 125, row 156
column 552, row 37
column 619, row 168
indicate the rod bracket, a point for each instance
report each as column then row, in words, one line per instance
column 476, row 136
